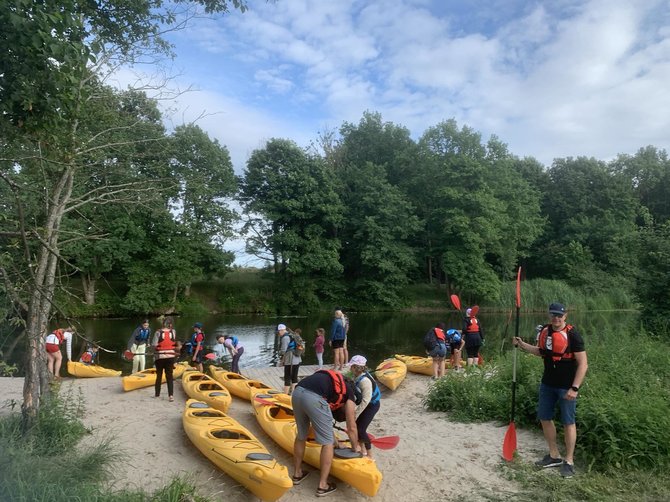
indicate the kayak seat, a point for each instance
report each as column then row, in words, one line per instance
column 264, row 396
column 346, row 453
column 226, row 434
column 218, row 393
column 259, row 456
column 281, row 413
column 207, row 414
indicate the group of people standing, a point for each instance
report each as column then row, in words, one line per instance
column 441, row 342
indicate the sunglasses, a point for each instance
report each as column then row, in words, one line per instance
column 559, row 316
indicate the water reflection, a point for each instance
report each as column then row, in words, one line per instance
column 375, row 335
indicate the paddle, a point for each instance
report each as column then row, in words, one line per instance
column 211, row 356
column 509, row 443
column 456, row 302
column 383, row 443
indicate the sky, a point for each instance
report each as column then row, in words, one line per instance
column 551, row 79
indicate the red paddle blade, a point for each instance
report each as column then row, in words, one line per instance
column 518, row 288
column 128, row 355
column 480, row 360
column 211, row 356
column 456, row 302
column 474, row 310
column 384, row 443
column 509, row 443
column 264, row 401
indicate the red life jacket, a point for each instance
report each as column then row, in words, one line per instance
column 86, row 357
column 473, row 325
column 340, row 388
column 59, row 334
column 557, row 345
column 166, row 341
column 439, row 333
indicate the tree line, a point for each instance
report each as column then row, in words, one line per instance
column 95, row 188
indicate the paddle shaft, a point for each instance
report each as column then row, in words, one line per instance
column 516, row 334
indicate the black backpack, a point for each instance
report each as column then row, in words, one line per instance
column 430, row 340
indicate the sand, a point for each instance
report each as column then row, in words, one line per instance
column 437, row 459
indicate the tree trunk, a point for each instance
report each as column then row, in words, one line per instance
column 36, row 383
column 430, row 269
column 187, row 290
column 88, row 284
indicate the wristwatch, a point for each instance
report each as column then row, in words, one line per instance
column 575, row 388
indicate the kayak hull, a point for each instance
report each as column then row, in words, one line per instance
column 277, row 421
column 82, row 370
column 237, row 384
column 391, row 373
column 235, row 450
column 199, row 386
column 418, row 364
column 147, row 378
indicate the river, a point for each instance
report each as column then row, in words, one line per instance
column 374, row 335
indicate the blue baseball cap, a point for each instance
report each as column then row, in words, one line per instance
column 557, row 308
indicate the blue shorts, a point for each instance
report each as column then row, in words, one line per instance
column 439, row 351
column 546, row 404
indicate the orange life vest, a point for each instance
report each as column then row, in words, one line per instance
column 439, row 333
column 340, row 388
column 473, row 325
column 557, row 345
column 59, row 334
column 166, row 341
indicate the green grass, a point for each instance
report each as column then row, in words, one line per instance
column 623, row 414
column 47, row 463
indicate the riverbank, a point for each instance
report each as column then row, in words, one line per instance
column 436, row 458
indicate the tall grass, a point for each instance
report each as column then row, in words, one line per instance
column 623, row 412
column 536, row 294
column 48, row 464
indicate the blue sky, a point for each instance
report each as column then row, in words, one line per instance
column 550, row 78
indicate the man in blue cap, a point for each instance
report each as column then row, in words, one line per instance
column 565, row 364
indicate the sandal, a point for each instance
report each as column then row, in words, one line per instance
column 322, row 492
column 298, row 479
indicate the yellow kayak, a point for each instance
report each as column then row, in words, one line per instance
column 235, row 450
column 82, row 370
column 418, row 364
column 391, row 372
column 147, row 378
column 277, row 421
column 237, row 384
column 199, row 386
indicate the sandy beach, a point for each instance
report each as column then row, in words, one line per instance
column 437, row 459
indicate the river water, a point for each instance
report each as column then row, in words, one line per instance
column 375, row 335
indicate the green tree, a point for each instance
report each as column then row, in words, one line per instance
column 293, row 211
column 51, row 56
column 592, row 234
column 481, row 216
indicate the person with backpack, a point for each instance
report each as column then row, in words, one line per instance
column 369, row 403
column 435, row 343
column 290, row 355
column 474, row 337
column 165, row 344
column 565, row 364
column 138, row 344
column 315, row 399
column 235, row 349
column 456, row 344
